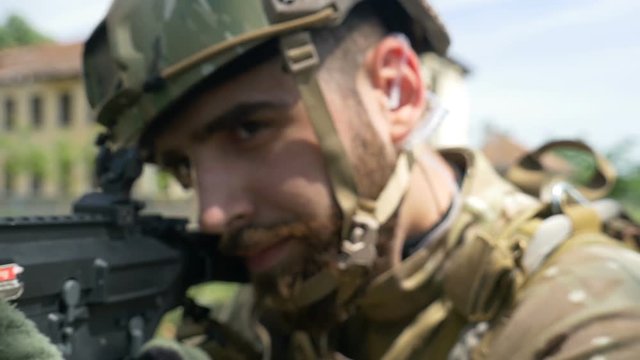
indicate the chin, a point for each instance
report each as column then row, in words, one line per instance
column 278, row 283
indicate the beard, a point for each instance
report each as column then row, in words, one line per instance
column 312, row 248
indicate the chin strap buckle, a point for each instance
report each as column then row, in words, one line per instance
column 360, row 248
column 299, row 52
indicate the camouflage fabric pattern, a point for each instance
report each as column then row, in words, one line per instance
column 216, row 323
column 161, row 349
column 146, row 54
column 20, row 339
column 140, row 38
column 582, row 303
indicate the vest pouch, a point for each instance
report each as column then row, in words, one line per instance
column 480, row 279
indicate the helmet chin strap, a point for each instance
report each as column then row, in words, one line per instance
column 361, row 217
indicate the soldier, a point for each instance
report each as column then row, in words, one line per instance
column 294, row 121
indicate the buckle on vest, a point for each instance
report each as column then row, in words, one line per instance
column 360, row 248
column 561, row 192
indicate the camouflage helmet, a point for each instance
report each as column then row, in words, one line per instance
column 147, row 53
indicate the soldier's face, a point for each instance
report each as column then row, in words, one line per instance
column 257, row 166
column 259, row 174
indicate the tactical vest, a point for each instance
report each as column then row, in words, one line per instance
column 447, row 301
column 419, row 309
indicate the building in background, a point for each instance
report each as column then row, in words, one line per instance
column 503, row 151
column 46, row 127
column 47, row 133
column 446, row 77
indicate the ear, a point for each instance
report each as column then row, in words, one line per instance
column 394, row 70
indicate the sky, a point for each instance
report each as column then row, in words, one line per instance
column 551, row 68
column 540, row 69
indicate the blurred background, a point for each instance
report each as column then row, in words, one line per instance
column 519, row 73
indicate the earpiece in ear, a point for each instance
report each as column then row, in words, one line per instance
column 394, row 95
column 395, row 92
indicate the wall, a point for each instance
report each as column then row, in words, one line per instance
column 447, row 80
column 60, row 154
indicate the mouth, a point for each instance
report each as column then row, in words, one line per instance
column 266, row 258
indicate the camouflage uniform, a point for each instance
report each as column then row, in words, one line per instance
column 481, row 290
column 20, row 339
column 469, row 295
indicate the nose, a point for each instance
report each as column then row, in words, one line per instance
column 224, row 203
column 216, row 219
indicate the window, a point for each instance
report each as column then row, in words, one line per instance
column 36, row 111
column 9, row 114
column 64, row 109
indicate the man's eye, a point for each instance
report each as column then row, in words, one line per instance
column 248, row 129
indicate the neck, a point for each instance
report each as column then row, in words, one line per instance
column 429, row 196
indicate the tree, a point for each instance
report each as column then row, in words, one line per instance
column 627, row 188
column 17, row 31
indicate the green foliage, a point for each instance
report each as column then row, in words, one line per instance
column 583, row 165
column 17, row 31
column 36, row 161
column 65, row 153
column 15, row 150
column 627, row 187
column 13, row 165
column 22, row 156
column 163, row 180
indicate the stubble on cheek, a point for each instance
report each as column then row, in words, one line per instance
column 312, row 247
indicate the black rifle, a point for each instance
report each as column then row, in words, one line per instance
column 97, row 282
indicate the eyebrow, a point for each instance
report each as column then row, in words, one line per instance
column 224, row 121
column 231, row 117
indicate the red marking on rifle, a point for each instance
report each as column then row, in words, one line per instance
column 9, row 272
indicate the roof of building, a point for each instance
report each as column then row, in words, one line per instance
column 503, row 152
column 40, row 62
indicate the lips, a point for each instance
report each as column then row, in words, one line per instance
column 266, row 258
